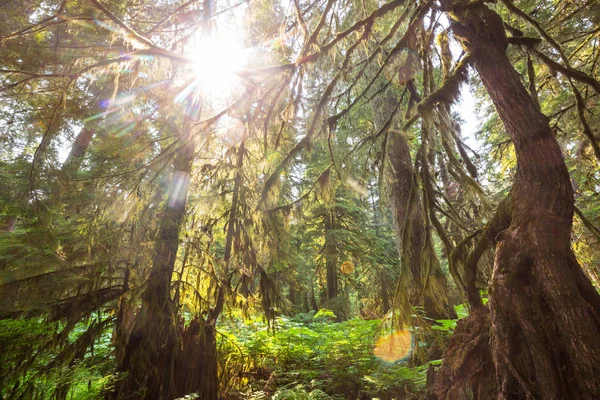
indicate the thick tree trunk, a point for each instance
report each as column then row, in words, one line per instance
column 467, row 360
column 545, row 313
column 150, row 352
column 422, row 282
column 196, row 364
column 426, row 282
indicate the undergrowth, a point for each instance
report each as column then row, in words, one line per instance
column 308, row 356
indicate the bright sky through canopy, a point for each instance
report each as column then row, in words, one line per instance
column 214, row 63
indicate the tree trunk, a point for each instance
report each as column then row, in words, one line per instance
column 196, row 364
column 292, row 296
column 154, row 342
column 467, row 360
column 330, row 258
column 385, row 297
column 313, row 298
column 384, row 286
column 421, row 275
column 200, row 339
column 78, row 151
column 545, row 313
column 84, row 138
column 422, row 282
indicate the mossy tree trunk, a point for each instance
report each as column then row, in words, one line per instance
column 196, row 365
column 151, row 349
column 422, row 281
column 422, row 277
column 545, row 314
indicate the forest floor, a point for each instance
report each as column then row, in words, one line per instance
column 310, row 356
column 298, row 357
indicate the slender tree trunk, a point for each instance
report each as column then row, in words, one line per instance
column 385, row 297
column 545, row 313
column 330, row 258
column 78, row 151
column 313, row 298
column 150, row 352
column 293, row 296
column 383, row 277
column 82, row 141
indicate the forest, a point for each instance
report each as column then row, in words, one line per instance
column 300, row 199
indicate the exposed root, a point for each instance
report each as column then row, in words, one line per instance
column 467, row 371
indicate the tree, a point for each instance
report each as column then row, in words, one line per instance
column 537, row 281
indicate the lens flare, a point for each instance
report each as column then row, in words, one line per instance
column 347, row 267
column 179, row 188
column 394, row 347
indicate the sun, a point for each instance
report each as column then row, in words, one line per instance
column 214, row 62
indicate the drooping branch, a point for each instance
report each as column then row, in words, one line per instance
column 445, row 94
column 567, row 69
column 316, row 120
column 587, row 130
column 588, row 224
column 137, row 36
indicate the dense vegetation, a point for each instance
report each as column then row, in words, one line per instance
column 283, row 200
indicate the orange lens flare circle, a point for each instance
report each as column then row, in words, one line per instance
column 394, row 347
column 347, row 267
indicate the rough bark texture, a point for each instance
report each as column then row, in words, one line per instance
column 196, row 363
column 544, row 311
column 468, row 360
column 422, row 282
column 150, row 352
column 424, row 278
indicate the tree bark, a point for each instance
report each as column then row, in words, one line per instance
column 330, row 257
column 545, row 313
column 200, row 339
column 467, row 360
column 422, row 282
column 428, row 285
column 78, row 151
column 151, row 349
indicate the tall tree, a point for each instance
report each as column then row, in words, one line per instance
column 544, row 310
column 152, row 346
